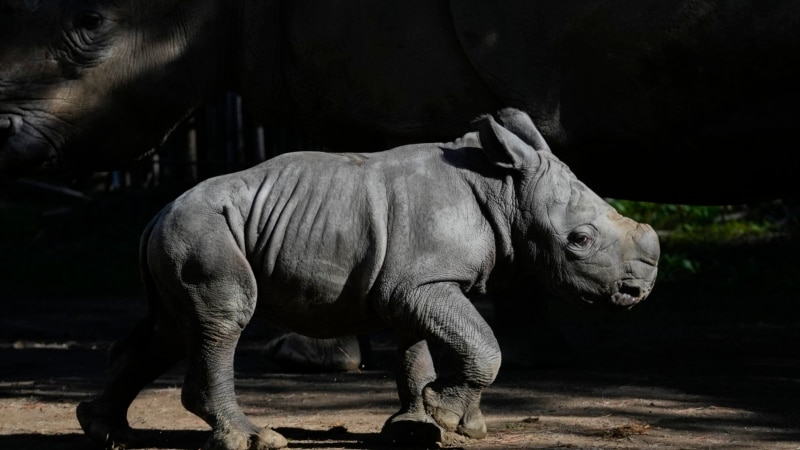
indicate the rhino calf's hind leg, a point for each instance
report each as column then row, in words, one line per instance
column 208, row 392
column 216, row 297
column 134, row 362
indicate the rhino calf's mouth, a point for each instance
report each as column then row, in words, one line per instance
column 627, row 294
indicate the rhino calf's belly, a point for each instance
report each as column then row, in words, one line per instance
column 318, row 319
column 315, row 295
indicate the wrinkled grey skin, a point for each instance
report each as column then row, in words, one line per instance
column 677, row 86
column 335, row 244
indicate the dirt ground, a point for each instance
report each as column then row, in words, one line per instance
column 652, row 379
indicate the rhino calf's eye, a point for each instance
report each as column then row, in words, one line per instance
column 579, row 239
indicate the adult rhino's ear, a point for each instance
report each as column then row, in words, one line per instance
column 503, row 148
column 520, row 123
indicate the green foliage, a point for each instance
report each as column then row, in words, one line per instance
column 706, row 223
column 693, row 237
column 665, row 216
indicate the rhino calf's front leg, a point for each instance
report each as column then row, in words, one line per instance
column 467, row 360
column 415, row 370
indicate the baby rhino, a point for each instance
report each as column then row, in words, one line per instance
column 337, row 244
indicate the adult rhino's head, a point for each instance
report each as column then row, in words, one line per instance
column 574, row 241
column 93, row 83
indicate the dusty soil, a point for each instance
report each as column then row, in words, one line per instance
column 641, row 380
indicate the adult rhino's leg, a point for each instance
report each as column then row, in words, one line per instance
column 150, row 350
column 415, row 370
column 470, row 355
column 216, row 297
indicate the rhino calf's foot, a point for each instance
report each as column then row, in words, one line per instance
column 259, row 439
column 456, row 410
column 102, row 427
column 412, row 428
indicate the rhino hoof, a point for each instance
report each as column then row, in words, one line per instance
column 451, row 415
column 412, row 429
column 264, row 439
column 472, row 426
column 111, row 434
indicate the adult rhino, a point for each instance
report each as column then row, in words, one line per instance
column 692, row 88
column 330, row 244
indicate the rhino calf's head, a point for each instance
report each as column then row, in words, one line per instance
column 574, row 241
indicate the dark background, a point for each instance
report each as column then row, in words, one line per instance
column 723, row 320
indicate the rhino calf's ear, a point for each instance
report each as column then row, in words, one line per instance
column 520, row 123
column 503, row 148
